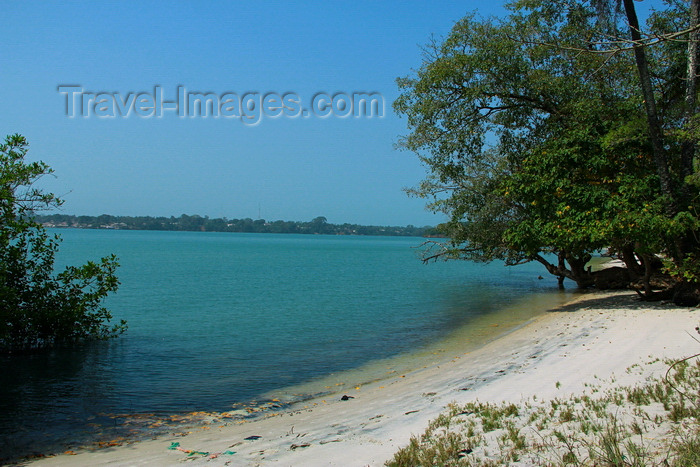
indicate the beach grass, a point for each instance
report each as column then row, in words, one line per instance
column 655, row 423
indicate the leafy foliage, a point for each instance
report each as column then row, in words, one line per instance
column 535, row 138
column 38, row 307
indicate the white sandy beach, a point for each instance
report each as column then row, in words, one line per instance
column 597, row 336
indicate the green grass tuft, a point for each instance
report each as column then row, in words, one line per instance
column 654, row 424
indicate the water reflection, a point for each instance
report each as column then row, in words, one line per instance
column 40, row 391
column 219, row 322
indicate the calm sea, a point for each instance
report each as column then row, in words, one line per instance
column 218, row 319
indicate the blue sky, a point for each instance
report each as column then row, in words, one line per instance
column 285, row 168
column 345, row 169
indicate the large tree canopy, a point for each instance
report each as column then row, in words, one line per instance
column 536, row 136
column 39, row 307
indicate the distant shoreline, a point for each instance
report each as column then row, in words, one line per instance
column 196, row 223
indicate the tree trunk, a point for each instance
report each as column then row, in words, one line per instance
column 581, row 275
column 628, row 256
column 688, row 148
column 562, row 267
column 560, row 271
column 576, row 271
column 655, row 132
column 647, row 274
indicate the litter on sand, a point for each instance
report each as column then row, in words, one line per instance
column 175, row 446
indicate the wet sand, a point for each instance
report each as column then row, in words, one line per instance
column 593, row 337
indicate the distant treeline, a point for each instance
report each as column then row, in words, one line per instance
column 318, row 225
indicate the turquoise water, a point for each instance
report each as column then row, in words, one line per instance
column 217, row 319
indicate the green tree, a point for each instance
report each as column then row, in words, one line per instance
column 538, row 145
column 39, row 307
column 319, row 225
